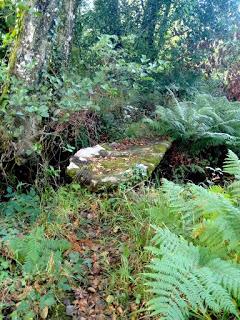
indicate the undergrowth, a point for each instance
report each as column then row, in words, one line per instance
column 166, row 250
column 176, row 238
column 203, row 121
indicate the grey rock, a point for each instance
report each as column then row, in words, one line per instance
column 70, row 310
column 105, row 167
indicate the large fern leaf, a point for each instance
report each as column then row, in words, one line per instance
column 180, row 283
column 232, row 164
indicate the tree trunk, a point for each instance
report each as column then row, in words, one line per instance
column 36, row 40
column 146, row 41
column 34, row 51
column 66, row 30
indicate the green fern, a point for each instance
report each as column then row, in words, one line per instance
column 199, row 274
column 197, row 207
column 180, row 281
column 211, row 236
column 232, row 164
column 34, row 251
column 206, row 120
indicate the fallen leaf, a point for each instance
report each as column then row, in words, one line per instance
column 44, row 313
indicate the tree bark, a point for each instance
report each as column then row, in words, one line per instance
column 46, row 27
column 66, row 30
column 33, row 48
column 34, row 51
column 150, row 16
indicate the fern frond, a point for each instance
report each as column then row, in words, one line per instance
column 215, row 296
column 232, row 164
column 211, row 236
column 227, row 274
column 176, row 197
column 234, row 190
column 34, row 250
column 167, row 243
column 180, row 283
column 211, row 120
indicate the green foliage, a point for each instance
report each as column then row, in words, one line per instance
column 3, row 74
column 201, row 274
column 37, row 254
column 4, row 266
column 20, row 205
column 107, row 16
column 185, row 277
column 183, row 31
column 206, row 120
column 232, row 164
column 128, row 57
column 110, row 71
column 45, row 270
column 7, row 19
column 200, row 209
column 38, row 266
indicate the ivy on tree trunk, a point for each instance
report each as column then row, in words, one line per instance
column 45, row 33
column 47, row 25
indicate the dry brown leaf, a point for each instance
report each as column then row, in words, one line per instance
column 44, row 313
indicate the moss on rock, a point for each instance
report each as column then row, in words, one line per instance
column 120, row 164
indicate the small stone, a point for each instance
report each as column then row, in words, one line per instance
column 103, row 153
column 100, row 304
column 114, row 144
column 91, row 289
column 70, row 310
column 120, row 310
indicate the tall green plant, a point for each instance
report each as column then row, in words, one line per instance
column 186, row 278
column 205, row 120
column 197, row 270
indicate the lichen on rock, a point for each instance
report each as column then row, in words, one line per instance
column 108, row 165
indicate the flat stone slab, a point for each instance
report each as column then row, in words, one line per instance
column 109, row 165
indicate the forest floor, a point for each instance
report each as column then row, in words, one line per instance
column 107, row 231
column 111, row 231
column 109, row 238
column 109, row 291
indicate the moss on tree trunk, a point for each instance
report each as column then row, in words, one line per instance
column 42, row 28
